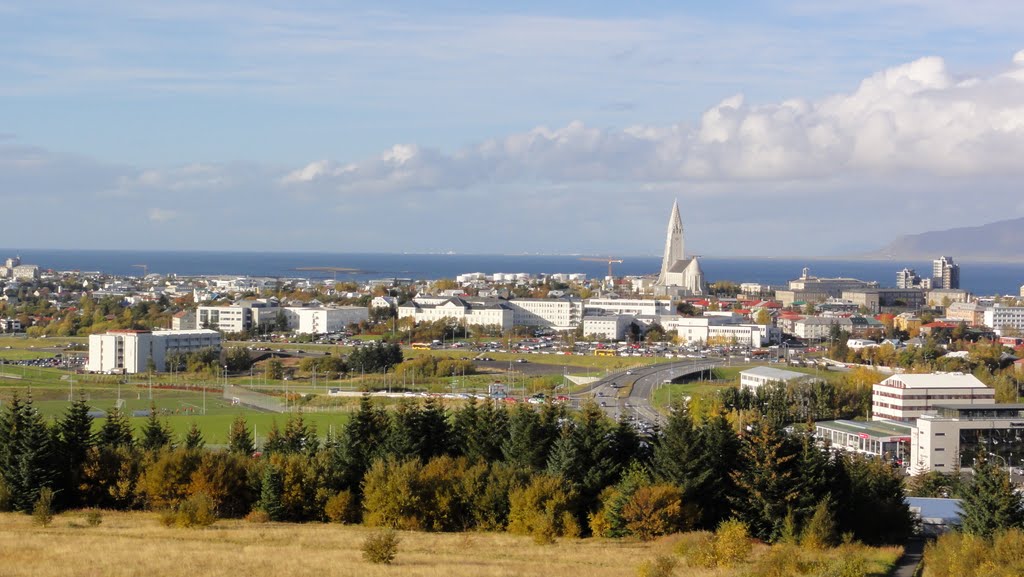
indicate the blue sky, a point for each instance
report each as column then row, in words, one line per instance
column 550, row 127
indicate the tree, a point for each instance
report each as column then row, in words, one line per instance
column 155, row 434
column 763, row 317
column 27, row 453
column 74, row 439
column 989, row 504
column 237, row 359
column 765, row 481
column 194, row 440
column 275, row 370
column 240, row 440
column 678, row 455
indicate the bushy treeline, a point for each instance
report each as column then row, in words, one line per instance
column 542, row 471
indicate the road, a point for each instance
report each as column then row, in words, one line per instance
column 645, row 380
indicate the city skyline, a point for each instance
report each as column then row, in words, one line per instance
column 555, row 129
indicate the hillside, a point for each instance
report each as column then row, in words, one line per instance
column 997, row 241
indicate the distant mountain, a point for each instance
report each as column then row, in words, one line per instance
column 997, row 241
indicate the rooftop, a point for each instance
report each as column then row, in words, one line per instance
column 774, row 374
column 874, row 429
column 934, row 381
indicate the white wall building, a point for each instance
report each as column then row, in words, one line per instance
column 612, row 327
column 1003, row 319
column 636, row 307
column 950, row 436
column 905, row 397
column 129, row 351
column 469, row 312
column 320, row 320
column 563, row 314
column 755, row 378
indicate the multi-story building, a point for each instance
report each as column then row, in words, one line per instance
column 239, row 317
column 10, row 325
column 938, row 297
column 609, row 326
column 945, row 273
column 905, row 397
column 184, row 321
column 971, row 313
column 1005, row 320
column 636, row 307
column 462, row 310
column 908, row 278
column 878, row 299
column 133, row 351
column 564, row 314
column 321, row 320
column 25, row 272
column 952, row 435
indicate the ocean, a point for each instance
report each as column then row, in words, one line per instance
column 977, row 277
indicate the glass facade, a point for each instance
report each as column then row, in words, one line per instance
column 1006, row 443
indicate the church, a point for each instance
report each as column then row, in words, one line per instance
column 680, row 276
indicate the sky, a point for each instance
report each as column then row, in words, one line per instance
column 783, row 128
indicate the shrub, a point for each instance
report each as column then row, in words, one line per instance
column 197, row 511
column 661, row 566
column 846, row 566
column 93, row 518
column 542, row 509
column 732, row 543
column 258, row 516
column 820, row 532
column 381, row 547
column 340, row 507
column 42, row 511
column 653, row 511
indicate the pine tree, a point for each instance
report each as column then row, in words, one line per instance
column 75, row 438
column 627, row 445
column 12, row 426
column 989, row 503
column 434, row 432
column 524, row 446
column 116, row 431
column 239, row 438
column 812, row 480
column 363, row 442
column 194, row 440
column 271, row 488
column 720, row 447
column 299, row 437
column 155, row 434
column 465, row 425
column 32, row 454
column 873, row 503
column 403, row 435
column 491, row 431
column 275, row 440
column 678, row 456
column 765, row 481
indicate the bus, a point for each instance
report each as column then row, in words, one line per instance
column 421, row 346
column 605, row 353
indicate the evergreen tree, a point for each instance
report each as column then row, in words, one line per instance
column 299, row 437
column 465, row 426
column 29, row 454
column 765, row 481
column 365, row 436
column 275, row 442
column 75, row 438
column 490, row 433
column 271, row 488
column 524, row 446
column 873, row 502
column 155, row 434
column 116, row 431
column 678, row 455
column 812, row 478
column 194, row 440
column 721, row 448
column 403, row 435
column 434, row 432
column 240, row 440
column 627, row 445
column 989, row 504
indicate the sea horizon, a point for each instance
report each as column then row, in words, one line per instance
column 983, row 278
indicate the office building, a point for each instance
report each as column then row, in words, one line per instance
column 905, row 397
column 135, row 351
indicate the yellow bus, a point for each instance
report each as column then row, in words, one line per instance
column 604, row 353
column 421, row 346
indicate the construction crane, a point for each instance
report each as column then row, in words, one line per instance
column 608, row 260
column 145, row 269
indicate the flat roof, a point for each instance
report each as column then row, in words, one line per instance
column 870, row 428
column 774, row 374
column 936, row 381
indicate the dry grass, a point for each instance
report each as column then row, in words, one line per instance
column 135, row 544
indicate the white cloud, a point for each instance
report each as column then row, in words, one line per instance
column 162, row 214
column 916, row 117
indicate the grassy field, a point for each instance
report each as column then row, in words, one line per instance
column 135, row 544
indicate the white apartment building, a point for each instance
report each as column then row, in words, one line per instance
column 27, row 272
column 723, row 329
column 755, row 378
column 129, row 351
column 475, row 312
column 1003, row 319
column 320, row 320
column 611, row 326
column 903, row 398
column 952, row 435
column 563, row 314
column 636, row 307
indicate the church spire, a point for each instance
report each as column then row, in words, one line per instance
column 674, row 242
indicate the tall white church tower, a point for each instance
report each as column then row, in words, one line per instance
column 679, row 275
